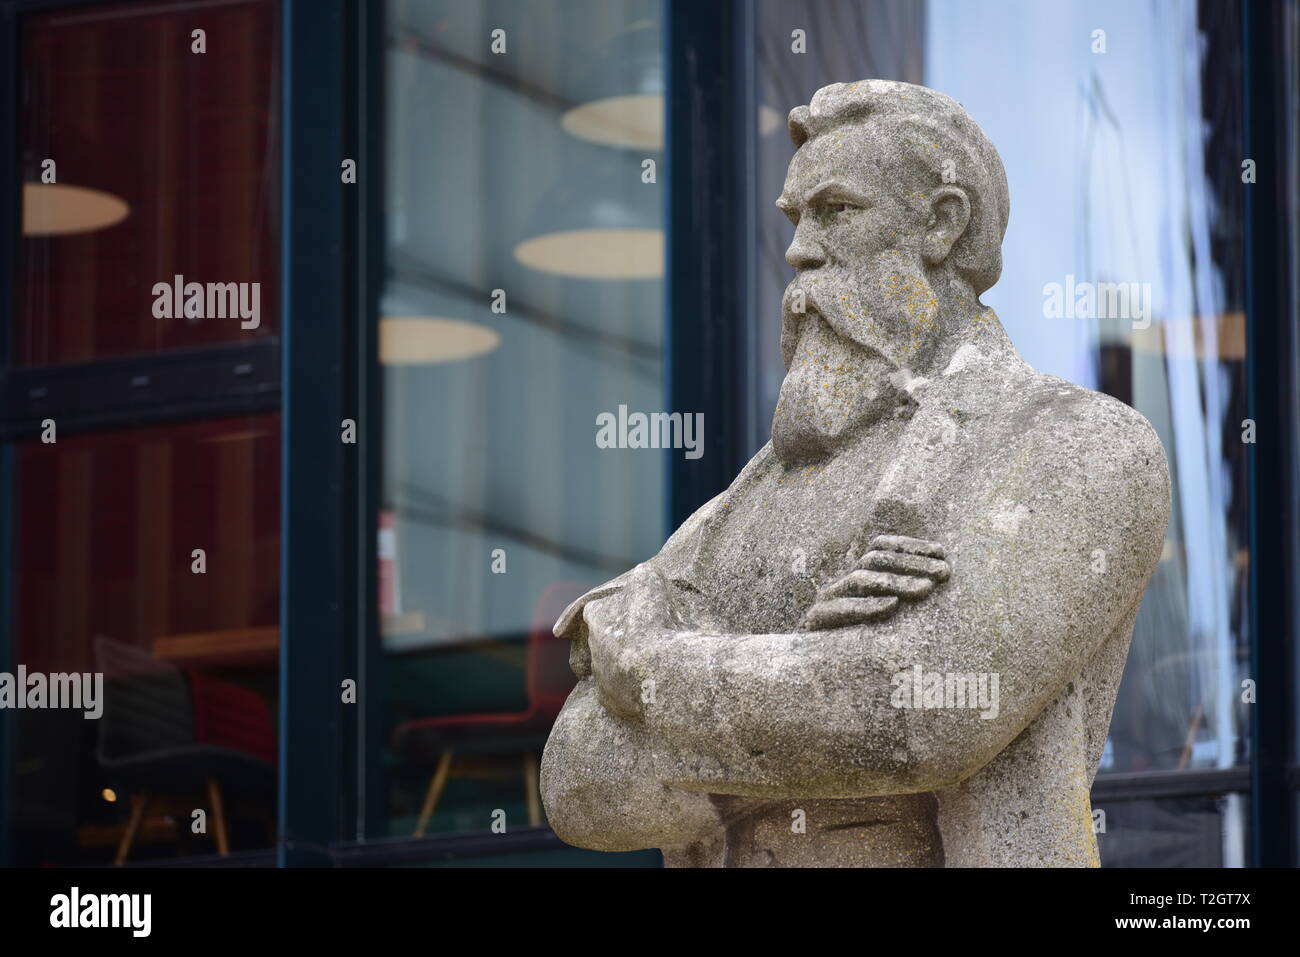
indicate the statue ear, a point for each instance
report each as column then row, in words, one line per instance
column 949, row 217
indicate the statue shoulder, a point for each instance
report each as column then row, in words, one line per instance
column 1054, row 424
column 1072, row 416
column 1102, row 448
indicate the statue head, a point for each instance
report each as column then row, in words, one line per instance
column 900, row 203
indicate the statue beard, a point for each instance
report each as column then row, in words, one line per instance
column 847, row 373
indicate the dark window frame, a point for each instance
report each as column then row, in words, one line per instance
column 1272, row 465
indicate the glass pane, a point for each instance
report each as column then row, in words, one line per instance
column 150, row 557
column 1173, row 832
column 147, row 167
column 1116, row 168
column 146, row 559
column 524, row 298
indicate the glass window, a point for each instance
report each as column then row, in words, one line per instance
column 1199, row 831
column 523, row 299
column 145, row 478
column 151, row 557
column 144, row 162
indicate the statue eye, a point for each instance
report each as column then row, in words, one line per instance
column 835, row 207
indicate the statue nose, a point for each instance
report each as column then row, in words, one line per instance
column 805, row 251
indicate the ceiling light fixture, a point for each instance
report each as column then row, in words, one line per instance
column 425, row 340
column 52, row 209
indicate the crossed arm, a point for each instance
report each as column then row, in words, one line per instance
column 813, row 713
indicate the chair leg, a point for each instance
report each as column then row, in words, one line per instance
column 138, row 804
column 436, row 784
column 533, row 788
column 218, row 817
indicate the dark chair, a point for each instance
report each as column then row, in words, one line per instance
column 548, row 681
column 160, row 736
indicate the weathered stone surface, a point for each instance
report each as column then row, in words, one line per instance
column 896, row 639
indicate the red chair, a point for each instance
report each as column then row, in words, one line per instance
column 548, row 681
column 231, row 716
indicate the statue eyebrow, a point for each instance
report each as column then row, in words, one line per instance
column 829, row 190
column 833, row 189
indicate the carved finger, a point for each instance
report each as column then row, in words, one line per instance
column 903, row 563
column 913, row 546
column 863, row 582
column 848, row 611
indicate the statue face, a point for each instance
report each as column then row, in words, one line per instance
column 857, row 246
column 868, row 307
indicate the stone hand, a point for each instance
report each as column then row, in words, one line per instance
column 619, row 628
column 895, row 568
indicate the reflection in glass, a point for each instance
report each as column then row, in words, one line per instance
column 1200, row 831
column 163, row 163
column 150, row 556
column 498, row 507
column 53, row 209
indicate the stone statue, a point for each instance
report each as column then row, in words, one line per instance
column 897, row 638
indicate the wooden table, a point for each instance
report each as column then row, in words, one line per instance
column 250, row 647
column 232, row 647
